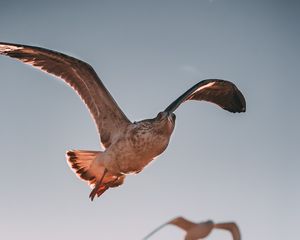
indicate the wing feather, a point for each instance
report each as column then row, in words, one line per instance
column 221, row 92
column 109, row 118
column 232, row 228
column 182, row 223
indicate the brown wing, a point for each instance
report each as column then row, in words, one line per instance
column 183, row 223
column 109, row 118
column 221, row 92
column 232, row 227
column 178, row 221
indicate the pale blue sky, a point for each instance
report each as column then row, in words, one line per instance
column 219, row 166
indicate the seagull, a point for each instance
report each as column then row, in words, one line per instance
column 128, row 146
column 200, row 230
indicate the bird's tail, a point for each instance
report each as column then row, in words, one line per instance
column 83, row 164
column 89, row 166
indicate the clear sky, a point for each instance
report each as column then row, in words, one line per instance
column 219, row 166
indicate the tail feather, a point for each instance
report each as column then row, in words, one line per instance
column 85, row 166
column 81, row 163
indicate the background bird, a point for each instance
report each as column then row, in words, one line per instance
column 128, row 147
column 195, row 231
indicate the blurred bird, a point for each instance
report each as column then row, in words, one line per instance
column 195, row 231
column 128, row 147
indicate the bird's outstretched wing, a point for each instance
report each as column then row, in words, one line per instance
column 180, row 222
column 221, row 92
column 232, row 228
column 109, row 118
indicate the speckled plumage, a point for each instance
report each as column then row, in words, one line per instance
column 128, row 147
column 140, row 143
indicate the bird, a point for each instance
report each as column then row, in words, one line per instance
column 195, row 231
column 127, row 147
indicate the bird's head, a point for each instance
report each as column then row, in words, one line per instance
column 166, row 120
column 166, row 117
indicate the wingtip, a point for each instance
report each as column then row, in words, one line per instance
column 241, row 110
column 235, row 110
column 243, row 107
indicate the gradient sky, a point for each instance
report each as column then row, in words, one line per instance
column 219, row 166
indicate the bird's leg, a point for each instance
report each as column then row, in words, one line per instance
column 113, row 182
column 98, row 184
column 101, row 190
column 106, row 186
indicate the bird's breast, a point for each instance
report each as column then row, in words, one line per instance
column 149, row 144
column 138, row 148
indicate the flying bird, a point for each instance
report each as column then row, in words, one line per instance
column 128, row 146
column 195, row 231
